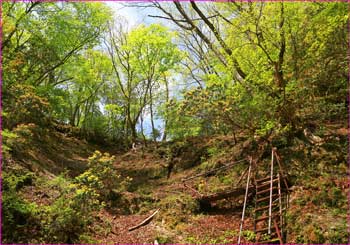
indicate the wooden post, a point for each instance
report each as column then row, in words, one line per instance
column 245, row 201
column 271, row 183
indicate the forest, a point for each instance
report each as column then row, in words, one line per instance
column 121, row 130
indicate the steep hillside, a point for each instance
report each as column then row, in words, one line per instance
column 41, row 173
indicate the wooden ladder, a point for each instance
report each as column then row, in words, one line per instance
column 271, row 201
column 268, row 213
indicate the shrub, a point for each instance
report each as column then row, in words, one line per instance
column 14, row 182
column 19, row 216
column 102, row 167
column 8, row 141
column 68, row 217
column 177, row 208
column 26, row 107
column 249, row 235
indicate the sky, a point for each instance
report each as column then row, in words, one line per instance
column 134, row 16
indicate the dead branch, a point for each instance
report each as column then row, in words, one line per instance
column 145, row 222
column 236, row 192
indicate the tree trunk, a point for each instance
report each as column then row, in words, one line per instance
column 166, row 109
column 73, row 116
column 143, row 135
column 151, row 110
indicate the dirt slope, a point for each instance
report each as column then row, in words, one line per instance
column 318, row 175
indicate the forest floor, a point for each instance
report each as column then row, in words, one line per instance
column 318, row 202
column 175, row 222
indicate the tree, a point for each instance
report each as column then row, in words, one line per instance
column 258, row 76
column 153, row 55
column 39, row 38
column 140, row 60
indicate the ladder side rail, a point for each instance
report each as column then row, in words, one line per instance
column 256, row 196
column 281, row 170
column 286, row 196
column 271, row 183
column 245, row 202
column 256, row 205
column 280, row 201
column 278, row 231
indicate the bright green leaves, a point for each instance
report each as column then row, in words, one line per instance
column 47, row 34
column 143, row 62
column 152, row 49
column 288, row 53
column 48, row 46
column 103, row 174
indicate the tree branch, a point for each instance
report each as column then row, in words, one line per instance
column 218, row 37
column 178, row 20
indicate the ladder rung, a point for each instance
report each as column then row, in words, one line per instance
column 266, row 184
column 266, row 207
column 267, row 190
column 266, row 198
column 265, row 217
column 263, row 179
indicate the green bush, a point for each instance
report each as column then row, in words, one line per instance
column 26, row 107
column 14, row 182
column 249, row 235
column 177, row 208
column 67, row 218
column 18, row 214
column 101, row 166
column 8, row 141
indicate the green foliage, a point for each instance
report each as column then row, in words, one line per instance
column 17, row 214
column 141, row 64
column 318, row 212
column 152, row 49
column 23, row 136
column 37, row 79
column 177, row 208
column 50, row 34
column 267, row 70
column 314, row 233
column 14, row 182
column 8, row 141
column 27, row 107
column 213, row 151
column 67, row 218
column 249, row 235
column 103, row 175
